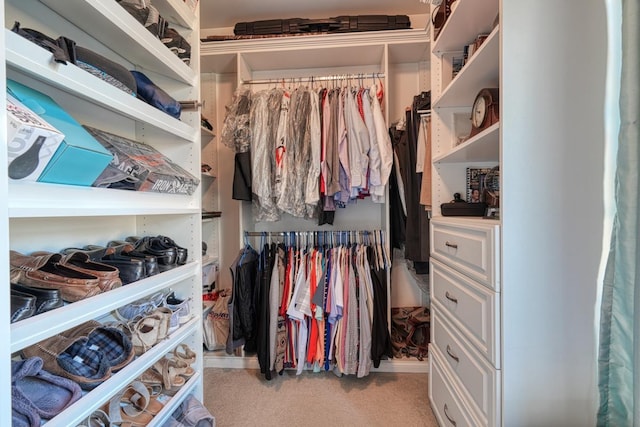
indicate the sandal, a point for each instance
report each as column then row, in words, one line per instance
column 128, row 407
column 172, row 381
column 145, row 333
column 152, row 379
column 98, row 418
column 186, row 355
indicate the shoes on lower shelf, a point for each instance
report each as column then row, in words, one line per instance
column 132, row 406
column 38, row 394
column 191, row 413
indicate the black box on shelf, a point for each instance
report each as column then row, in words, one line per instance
column 140, row 167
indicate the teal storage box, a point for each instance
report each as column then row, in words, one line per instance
column 80, row 158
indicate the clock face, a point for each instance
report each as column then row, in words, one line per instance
column 479, row 112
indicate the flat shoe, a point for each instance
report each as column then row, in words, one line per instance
column 45, row 271
column 49, row 394
column 46, row 299
column 23, row 306
column 108, row 276
column 71, row 358
column 112, row 342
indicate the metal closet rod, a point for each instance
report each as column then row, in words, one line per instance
column 316, row 79
column 285, row 233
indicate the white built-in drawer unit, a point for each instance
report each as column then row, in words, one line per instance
column 471, row 307
column 446, row 405
column 465, row 351
column 470, row 245
column 475, row 375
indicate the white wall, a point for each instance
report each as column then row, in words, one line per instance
column 552, row 91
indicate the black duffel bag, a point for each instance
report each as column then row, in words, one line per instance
column 338, row 24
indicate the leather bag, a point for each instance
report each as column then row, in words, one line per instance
column 439, row 17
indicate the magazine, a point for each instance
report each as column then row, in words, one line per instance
column 479, row 179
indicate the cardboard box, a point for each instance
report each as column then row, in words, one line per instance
column 31, row 141
column 140, row 167
column 79, row 159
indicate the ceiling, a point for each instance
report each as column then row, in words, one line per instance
column 226, row 13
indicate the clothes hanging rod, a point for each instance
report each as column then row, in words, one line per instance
column 285, row 233
column 310, row 79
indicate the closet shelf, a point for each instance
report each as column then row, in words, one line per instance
column 176, row 11
column 114, row 26
column 41, row 200
column 468, row 19
column 323, row 51
column 481, row 71
column 34, row 329
column 79, row 411
column 483, row 147
column 209, row 259
column 311, row 41
column 30, row 59
column 206, row 133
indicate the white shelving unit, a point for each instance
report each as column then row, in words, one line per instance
column 50, row 217
column 400, row 57
column 515, row 299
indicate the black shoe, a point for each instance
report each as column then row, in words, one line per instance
column 131, row 269
column 22, row 306
column 46, row 299
column 166, row 255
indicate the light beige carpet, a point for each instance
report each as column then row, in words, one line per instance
column 242, row 397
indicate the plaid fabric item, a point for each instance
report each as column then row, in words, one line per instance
column 81, row 360
column 114, row 344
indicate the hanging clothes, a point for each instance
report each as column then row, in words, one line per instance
column 306, row 152
column 405, row 142
column 316, row 306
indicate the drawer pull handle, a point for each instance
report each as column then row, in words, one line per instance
column 451, row 420
column 451, row 245
column 450, row 298
column 452, row 354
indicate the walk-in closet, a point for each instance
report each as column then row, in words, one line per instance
column 399, row 200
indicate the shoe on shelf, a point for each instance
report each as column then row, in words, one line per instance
column 180, row 307
column 45, row 271
column 23, row 306
column 108, row 275
column 46, row 393
column 166, row 255
column 112, row 342
column 128, row 406
column 129, row 269
column 46, row 299
column 192, row 413
column 98, row 418
column 128, row 250
column 140, row 308
column 72, row 358
column 150, row 329
column 181, row 253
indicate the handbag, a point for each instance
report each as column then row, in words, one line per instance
column 439, row 17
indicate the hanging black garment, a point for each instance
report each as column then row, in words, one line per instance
column 242, row 177
column 232, row 343
column 417, row 226
column 398, row 220
column 380, row 339
column 244, row 310
column 267, row 258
